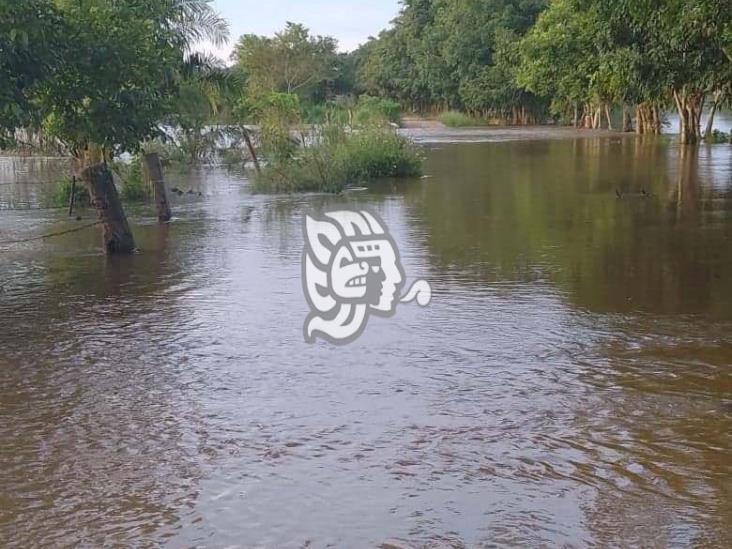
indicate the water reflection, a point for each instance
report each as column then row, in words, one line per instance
column 568, row 385
column 622, row 225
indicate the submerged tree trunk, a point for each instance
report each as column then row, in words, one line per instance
column 627, row 122
column 710, row 121
column 639, row 123
column 253, row 152
column 116, row 231
column 699, row 111
column 687, row 106
column 648, row 119
column 154, row 175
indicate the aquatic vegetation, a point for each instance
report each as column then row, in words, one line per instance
column 373, row 110
column 334, row 158
column 134, row 188
column 717, row 136
column 129, row 180
column 59, row 194
column 456, row 119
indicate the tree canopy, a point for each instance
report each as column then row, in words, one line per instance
column 443, row 54
column 98, row 72
column 30, row 34
column 291, row 61
column 565, row 58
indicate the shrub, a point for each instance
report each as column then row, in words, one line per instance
column 134, row 188
column 374, row 110
column 456, row 119
column 335, row 158
column 718, row 136
column 314, row 113
column 232, row 156
column 61, row 193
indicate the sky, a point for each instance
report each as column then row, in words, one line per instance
column 351, row 22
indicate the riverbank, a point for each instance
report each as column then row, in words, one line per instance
column 433, row 131
column 430, row 130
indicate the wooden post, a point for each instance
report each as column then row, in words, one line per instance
column 72, row 198
column 116, row 231
column 153, row 170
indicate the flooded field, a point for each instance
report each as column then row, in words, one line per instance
column 569, row 385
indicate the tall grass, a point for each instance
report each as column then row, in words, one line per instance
column 456, row 119
column 348, row 110
column 375, row 110
column 132, row 190
column 60, row 194
column 334, row 158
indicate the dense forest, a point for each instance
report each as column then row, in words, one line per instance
column 520, row 60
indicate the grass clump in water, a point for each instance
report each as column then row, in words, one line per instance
column 133, row 189
column 60, row 194
column 718, row 136
column 128, row 176
column 456, row 119
column 334, row 158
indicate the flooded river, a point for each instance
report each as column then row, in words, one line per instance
column 569, row 385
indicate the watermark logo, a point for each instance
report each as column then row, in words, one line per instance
column 350, row 270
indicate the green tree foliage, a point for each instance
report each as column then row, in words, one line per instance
column 649, row 54
column 509, row 59
column 679, row 46
column 292, row 61
column 559, row 56
column 204, row 97
column 30, row 35
column 107, row 69
column 443, row 54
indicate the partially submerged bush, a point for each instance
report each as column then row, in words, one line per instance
column 718, row 136
column 456, row 119
column 133, row 186
column 346, row 109
column 374, row 110
column 334, row 158
column 233, row 156
column 60, row 194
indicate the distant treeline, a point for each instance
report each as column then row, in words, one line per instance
column 521, row 61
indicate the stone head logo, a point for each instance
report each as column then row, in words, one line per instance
column 351, row 269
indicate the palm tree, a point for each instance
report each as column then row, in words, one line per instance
column 192, row 21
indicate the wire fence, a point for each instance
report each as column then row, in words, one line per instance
column 48, row 235
column 24, row 200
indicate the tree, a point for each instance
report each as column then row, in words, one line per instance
column 118, row 66
column 622, row 51
column 30, row 35
column 559, row 58
column 292, row 61
column 443, row 54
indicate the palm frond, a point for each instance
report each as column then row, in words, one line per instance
column 193, row 21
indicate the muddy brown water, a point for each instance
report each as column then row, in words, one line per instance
column 570, row 384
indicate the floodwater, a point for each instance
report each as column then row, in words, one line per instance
column 569, row 385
